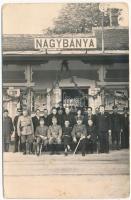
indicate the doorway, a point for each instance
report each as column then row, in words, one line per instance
column 73, row 97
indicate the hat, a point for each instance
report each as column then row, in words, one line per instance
column 5, row 110
column 114, row 107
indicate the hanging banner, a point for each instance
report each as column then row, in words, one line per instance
column 65, row 43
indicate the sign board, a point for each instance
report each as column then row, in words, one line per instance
column 65, row 43
column 13, row 92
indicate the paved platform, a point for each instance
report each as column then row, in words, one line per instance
column 57, row 176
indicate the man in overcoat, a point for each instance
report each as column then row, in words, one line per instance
column 7, row 130
column 103, row 127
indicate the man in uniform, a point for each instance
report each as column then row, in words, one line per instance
column 79, row 132
column 103, row 127
column 17, row 146
column 54, row 136
column 25, row 131
column 116, row 128
column 41, row 136
column 7, row 130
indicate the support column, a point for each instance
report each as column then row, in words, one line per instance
column 28, row 77
column 102, row 75
column 48, row 100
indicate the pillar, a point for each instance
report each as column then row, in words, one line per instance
column 28, row 77
column 102, row 75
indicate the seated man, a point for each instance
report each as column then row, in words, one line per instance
column 79, row 133
column 54, row 136
column 67, row 136
column 91, row 137
column 41, row 136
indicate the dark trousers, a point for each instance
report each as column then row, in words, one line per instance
column 55, row 147
column 6, row 147
column 89, row 146
column 125, row 139
column 104, row 142
column 66, row 140
column 17, row 145
column 82, row 145
column 116, row 139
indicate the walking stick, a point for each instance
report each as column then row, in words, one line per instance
column 77, row 146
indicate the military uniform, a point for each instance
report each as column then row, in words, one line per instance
column 103, row 125
column 54, row 136
column 25, row 131
column 41, row 134
column 78, row 132
column 42, row 131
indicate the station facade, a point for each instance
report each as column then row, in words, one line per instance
column 91, row 70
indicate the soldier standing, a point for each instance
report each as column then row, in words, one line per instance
column 54, row 136
column 17, row 138
column 103, row 127
column 7, row 130
column 116, row 128
column 79, row 133
column 25, row 131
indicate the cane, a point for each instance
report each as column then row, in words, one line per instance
column 77, row 146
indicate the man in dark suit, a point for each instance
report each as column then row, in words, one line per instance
column 103, row 127
column 45, row 116
column 36, row 119
column 17, row 138
column 116, row 128
column 68, row 116
column 89, row 116
column 53, row 115
column 60, row 117
column 7, row 130
column 125, row 129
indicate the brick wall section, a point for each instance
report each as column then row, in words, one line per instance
column 114, row 39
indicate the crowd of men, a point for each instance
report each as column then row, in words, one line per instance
column 74, row 130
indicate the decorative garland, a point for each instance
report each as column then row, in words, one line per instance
column 59, row 77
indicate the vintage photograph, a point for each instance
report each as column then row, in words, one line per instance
column 65, row 91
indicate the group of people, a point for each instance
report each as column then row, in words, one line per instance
column 75, row 131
